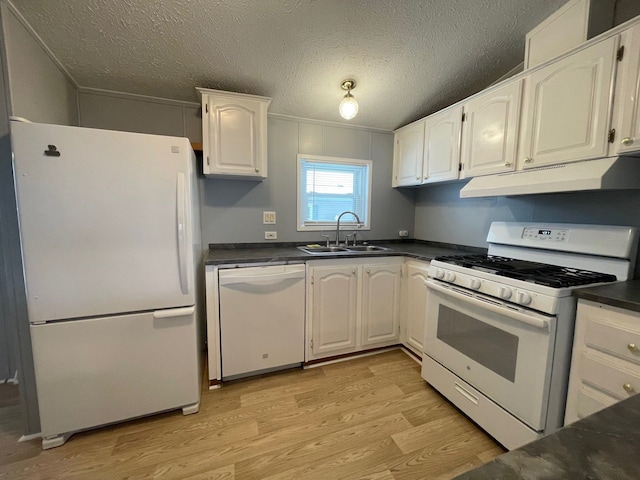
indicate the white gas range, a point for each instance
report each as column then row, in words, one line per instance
column 499, row 327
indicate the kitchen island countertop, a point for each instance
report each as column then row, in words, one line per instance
column 602, row 446
column 275, row 253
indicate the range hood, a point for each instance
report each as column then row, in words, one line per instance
column 601, row 174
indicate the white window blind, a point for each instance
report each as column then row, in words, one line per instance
column 329, row 186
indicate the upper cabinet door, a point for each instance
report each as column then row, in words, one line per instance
column 407, row 155
column 442, row 145
column 567, row 108
column 489, row 136
column 627, row 101
column 234, row 134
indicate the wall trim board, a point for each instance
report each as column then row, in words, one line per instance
column 169, row 101
column 137, row 96
column 40, row 42
column 292, row 118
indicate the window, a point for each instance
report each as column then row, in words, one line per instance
column 328, row 186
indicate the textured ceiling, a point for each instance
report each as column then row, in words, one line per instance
column 409, row 57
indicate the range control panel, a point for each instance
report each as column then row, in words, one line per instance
column 548, row 234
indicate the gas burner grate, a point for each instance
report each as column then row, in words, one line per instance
column 533, row 272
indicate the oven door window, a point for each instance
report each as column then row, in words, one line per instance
column 491, row 347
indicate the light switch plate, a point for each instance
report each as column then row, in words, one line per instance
column 268, row 218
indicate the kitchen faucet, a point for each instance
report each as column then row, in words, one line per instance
column 338, row 225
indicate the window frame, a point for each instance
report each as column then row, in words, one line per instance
column 347, row 222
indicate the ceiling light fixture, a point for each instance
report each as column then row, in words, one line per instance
column 348, row 106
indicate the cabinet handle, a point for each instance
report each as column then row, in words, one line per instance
column 528, row 159
column 353, row 271
column 507, row 164
column 632, row 347
column 417, row 178
column 628, row 388
column 368, row 271
column 627, row 141
column 257, row 170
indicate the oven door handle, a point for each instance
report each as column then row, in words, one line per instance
column 530, row 319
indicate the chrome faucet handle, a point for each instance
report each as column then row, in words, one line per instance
column 346, row 238
column 327, row 237
column 354, row 239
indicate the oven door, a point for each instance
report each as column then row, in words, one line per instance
column 503, row 350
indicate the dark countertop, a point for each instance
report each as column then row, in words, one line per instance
column 602, row 446
column 270, row 253
column 622, row 295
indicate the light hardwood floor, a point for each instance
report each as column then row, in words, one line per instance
column 367, row 418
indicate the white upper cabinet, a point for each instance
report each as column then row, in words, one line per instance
column 408, row 154
column 567, row 108
column 428, row 151
column 627, row 101
column 490, row 133
column 234, row 134
column 442, row 145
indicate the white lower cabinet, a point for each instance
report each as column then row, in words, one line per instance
column 352, row 305
column 605, row 366
column 414, row 311
column 380, row 304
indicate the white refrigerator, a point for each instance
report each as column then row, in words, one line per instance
column 110, row 237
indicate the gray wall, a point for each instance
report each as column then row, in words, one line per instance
column 441, row 215
column 232, row 209
column 39, row 89
column 13, row 302
column 626, row 10
column 137, row 113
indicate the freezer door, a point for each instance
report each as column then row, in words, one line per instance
column 125, row 366
column 105, row 220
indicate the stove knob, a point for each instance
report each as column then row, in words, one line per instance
column 523, row 298
column 438, row 274
column 475, row 284
column 449, row 276
column 504, row 292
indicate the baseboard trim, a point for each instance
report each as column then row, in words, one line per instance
column 349, row 356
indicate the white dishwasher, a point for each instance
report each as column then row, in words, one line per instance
column 262, row 312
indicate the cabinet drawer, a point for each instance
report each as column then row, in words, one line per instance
column 618, row 340
column 619, row 378
column 591, row 401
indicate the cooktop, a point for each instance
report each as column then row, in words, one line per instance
column 541, row 273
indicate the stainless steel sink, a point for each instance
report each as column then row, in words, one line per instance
column 319, row 250
column 367, row 248
column 323, row 250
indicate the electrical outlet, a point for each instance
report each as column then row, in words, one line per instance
column 268, row 218
column 403, row 233
column 270, row 235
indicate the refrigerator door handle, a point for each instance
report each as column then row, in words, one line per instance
column 174, row 312
column 182, row 234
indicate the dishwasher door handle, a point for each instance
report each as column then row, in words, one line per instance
column 258, row 279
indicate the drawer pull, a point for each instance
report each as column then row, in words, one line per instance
column 632, row 347
column 628, row 388
column 465, row 393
